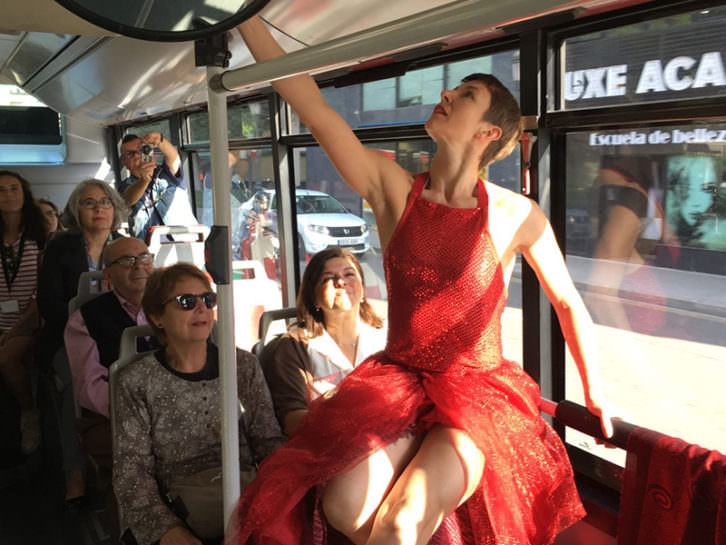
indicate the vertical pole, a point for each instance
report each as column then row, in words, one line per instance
column 225, row 315
column 285, row 208
column 529, row 74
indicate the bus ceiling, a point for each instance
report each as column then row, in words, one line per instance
column 89, row 73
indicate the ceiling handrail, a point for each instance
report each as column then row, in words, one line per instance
column 457, row 18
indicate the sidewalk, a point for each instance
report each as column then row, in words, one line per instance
column 687, row 290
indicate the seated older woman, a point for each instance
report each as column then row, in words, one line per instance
column 168, row 415
column 336, row 330
column 93, row 214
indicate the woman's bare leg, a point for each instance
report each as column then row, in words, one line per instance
column 351, row 499
column 442, row 475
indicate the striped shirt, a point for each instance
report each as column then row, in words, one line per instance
column 24, row 286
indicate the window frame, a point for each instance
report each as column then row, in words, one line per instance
column 558, row 123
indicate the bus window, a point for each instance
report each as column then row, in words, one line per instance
column 670, row 58
column 409, row 98
column 317, row 181
column 161, row 126
column 248, row 120
column 253, row 231
column 646, row 210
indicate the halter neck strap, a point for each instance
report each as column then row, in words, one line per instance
column 482, row 196
column 419, row 182
column 483, row 202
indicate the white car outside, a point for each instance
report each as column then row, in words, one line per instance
column 321, row 222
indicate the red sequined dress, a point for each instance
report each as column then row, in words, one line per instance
column 443, row 363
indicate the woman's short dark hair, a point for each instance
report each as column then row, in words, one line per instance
column 308, row 314
column 32, row 218
column 504, row 113
column 70, row 215
column 160, row 287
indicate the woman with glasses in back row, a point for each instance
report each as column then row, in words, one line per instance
column 93, row 214
column 167, row 418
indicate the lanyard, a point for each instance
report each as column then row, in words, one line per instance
column 11, row 263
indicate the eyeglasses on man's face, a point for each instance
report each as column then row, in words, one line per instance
column 131, row 260
column 93, row 203
column 130, row 154
column 188, row 301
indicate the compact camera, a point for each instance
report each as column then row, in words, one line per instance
column 147, row 153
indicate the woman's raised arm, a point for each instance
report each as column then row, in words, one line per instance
column 359, row 166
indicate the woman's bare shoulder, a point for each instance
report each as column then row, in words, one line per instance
column 508, row 202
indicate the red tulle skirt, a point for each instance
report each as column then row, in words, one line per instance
column 526, row 495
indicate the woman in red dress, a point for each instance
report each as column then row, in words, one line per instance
column 438, row 426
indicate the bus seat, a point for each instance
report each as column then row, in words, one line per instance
column 599, row 527
column 253, row 293
column 187, row 246
column 655, row 462
column 90, row 285
column 127, row 354
column 266, row 321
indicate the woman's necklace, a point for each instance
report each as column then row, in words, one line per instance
column 354, row 346
column 349, row 343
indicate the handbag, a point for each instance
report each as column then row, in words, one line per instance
column 197, row 499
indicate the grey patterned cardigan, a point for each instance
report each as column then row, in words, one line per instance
column 169, row 426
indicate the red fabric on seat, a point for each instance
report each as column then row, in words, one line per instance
column 674, row 493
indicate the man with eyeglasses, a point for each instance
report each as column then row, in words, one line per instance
column 156, row 194
column 93, row 336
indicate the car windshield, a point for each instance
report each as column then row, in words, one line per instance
column 318, row 204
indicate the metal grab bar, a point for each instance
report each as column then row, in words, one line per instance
column 577, row 417
column 419, row 29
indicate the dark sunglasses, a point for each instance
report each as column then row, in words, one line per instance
column 188, row 301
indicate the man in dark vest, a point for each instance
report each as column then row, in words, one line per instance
column 93, row 332
column 93, row 335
